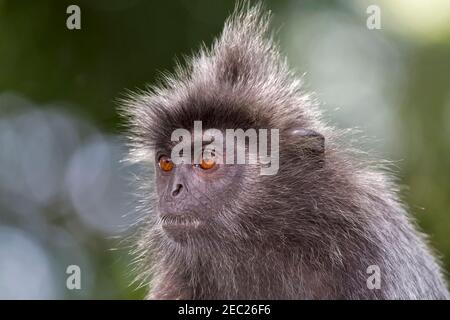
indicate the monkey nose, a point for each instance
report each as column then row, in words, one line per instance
column 177, row 189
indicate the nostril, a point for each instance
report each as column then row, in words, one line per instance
column 177, row 190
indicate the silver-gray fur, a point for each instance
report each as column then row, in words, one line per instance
column 309, row 232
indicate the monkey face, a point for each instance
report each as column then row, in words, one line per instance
column 192, row 197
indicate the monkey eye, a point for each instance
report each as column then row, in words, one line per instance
column 165, row 164
column 207, row 164
column 208, row 160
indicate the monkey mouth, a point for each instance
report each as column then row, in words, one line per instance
column 178, row 222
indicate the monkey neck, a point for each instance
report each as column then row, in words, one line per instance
column 264, row 273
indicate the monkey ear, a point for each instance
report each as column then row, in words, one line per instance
column 308, row 140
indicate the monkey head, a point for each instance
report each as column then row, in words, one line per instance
column 241, row 83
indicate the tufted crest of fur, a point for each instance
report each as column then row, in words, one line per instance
column 242, row 82
column 308, row 232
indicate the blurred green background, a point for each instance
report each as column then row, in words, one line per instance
column 64, row 195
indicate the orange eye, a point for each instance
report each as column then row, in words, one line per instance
column 165, row 164
column 207, row 164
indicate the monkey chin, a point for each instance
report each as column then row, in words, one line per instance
column 181, row 228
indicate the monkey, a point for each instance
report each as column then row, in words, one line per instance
column 317, row 229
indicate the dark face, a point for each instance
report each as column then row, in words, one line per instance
column 193, row 197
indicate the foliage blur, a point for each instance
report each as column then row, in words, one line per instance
column 64, row 195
